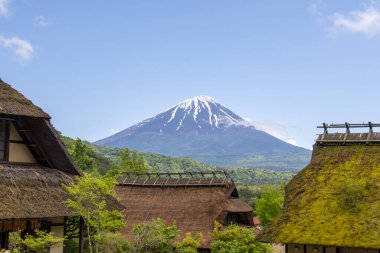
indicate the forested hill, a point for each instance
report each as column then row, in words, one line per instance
column 104, row 157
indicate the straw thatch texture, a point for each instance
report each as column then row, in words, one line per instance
column 193, row 208
column 334, row 201
column 36, row 123
column 14, row 103
column 50, row 144
column 33, row 192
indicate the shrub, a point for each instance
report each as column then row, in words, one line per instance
column 189, row 244
column 154, row 237
column 40, row 242
column 115, row 243
column 235, row 239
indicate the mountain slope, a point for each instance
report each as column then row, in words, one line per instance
column 104, row 157
column 203, row 129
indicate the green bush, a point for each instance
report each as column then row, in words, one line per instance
column 236, row 239
column 115, row 243
column 154, row 237
column 189, row 244
column 39, row 242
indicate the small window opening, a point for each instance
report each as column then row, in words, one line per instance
column 232, row 218
column 234, row 194
column 3, row 139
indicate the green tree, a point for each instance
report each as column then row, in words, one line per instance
column 89, row 197
column 236, row 239
column 115, row 243
column 154, row 237
column 80, row 155
column 39, row 242
column 189, row 244
column 132, row 161
column 269, row 204
column 129, row 161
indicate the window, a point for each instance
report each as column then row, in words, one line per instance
column 232, row 218
column 3, row 140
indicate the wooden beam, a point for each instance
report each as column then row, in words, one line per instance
column 348, row 141
column 37, row 153
column 362, row 125
column 7, row 137
column 64, row 230
column 3, row 239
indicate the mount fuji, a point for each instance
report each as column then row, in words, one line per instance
column 203, row 129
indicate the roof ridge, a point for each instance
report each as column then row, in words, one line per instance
column 13, row 102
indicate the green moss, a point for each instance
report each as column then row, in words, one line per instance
column 333, row 201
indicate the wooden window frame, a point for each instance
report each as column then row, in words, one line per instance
column 6, row 141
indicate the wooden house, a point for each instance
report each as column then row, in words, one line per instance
column 34, row 166
column 192, row 200
column 333, row 204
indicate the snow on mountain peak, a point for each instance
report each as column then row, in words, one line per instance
column 196, row 102
column 201, row 114
column 205, row 112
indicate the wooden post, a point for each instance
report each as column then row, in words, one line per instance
column 370, row 132
column 81, row 242
column 4, row 237
column 64, row 232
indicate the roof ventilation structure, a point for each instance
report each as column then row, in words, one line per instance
column 367, row 138
column 174, row 179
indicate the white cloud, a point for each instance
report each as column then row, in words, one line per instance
column 365, row 21
column 315, row 9
column 23, row 49
column 113, row 130
column 293, row 142
column 4, row 8
column 361, row 21
column 40, row 21
column 272, row 130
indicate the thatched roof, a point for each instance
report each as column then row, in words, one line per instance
column 49, row 144
column 33, row 192
column 193, row 208
column 35, row 123
column 14, row 103
column 334, row 201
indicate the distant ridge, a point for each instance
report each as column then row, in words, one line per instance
column 202, row 128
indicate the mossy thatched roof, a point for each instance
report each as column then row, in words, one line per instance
column 13, row 102
column 334, row 201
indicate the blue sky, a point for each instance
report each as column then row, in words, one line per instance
column 100, row 66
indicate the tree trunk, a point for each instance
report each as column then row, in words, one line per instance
column 97, row 243
column 89, row 236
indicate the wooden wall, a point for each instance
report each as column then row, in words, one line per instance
column 18, row 150
column 297, row 248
